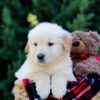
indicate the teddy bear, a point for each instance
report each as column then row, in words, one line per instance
column 84, row 53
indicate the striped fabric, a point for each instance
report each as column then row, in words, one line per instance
column 83, row 89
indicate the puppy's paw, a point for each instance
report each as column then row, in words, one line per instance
column 58, row 90
column 43, row 90
column 42, row 81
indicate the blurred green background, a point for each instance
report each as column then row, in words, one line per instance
column 18, row 16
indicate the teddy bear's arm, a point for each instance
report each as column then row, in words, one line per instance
column 91, row 65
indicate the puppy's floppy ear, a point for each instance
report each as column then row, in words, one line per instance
column 27, row 48
column 67, row 42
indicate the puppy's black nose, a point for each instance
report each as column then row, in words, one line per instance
column 76, row 43
column 40, row 56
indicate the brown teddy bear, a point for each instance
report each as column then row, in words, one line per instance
column 84, row 53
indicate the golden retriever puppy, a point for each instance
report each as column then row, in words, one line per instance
column 48, row 62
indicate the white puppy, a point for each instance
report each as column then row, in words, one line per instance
column 48, row 61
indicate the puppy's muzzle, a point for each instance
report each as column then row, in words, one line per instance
column 41, row 57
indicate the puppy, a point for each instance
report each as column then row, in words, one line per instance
column 48, row 62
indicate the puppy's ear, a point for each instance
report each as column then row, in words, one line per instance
column 67, row 42
column 26, row 48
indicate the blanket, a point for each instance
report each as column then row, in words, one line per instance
column 82, row 89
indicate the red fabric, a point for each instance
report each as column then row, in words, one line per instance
column 80, row 87
column 84, row 56
column 84, row 89
column 25, row 82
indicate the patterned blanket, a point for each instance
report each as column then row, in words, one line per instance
column 83, row 89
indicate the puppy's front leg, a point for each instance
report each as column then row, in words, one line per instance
column 58, row 83
column 42, row 81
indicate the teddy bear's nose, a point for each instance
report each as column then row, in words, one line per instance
column 76, row 43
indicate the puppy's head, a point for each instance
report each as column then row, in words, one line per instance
column 48, row 42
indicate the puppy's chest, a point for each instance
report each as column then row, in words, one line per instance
column 49, row 69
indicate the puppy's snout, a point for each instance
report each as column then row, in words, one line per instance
column 76, row 43
column 40, row 56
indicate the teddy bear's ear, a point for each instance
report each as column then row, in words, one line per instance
column 27, row 48
column 67, row 42
column 96, row 36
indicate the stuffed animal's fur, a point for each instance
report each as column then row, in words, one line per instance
column 84, row 53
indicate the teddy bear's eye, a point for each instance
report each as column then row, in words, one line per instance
column 35, row 44
column 50, row 44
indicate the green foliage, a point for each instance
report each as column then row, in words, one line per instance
column 16, row 19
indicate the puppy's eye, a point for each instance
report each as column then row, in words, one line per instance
column 50, row 44
column 35, row 44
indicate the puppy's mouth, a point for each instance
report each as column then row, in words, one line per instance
column 41, row 61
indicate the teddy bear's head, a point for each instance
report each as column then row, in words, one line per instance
column 85, row 42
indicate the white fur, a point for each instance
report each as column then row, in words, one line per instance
column 56, row 70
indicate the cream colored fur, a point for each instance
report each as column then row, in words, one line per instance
column 56, row 70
